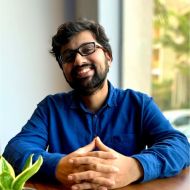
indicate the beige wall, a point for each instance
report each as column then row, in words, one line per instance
column 27, row 71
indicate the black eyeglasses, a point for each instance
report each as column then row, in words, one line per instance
column 68, row 56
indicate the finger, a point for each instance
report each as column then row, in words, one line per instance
column 86, row 160
column 102, row 181
column 86, row 148
column 102, row 188
column 101, row 146
column 96, row 183
column 101, row 154
column 99, row 168
column 86, row 175
column 87, row 185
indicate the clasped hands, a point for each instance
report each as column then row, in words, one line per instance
column 101, row 169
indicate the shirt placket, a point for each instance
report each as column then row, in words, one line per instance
column 94, row 124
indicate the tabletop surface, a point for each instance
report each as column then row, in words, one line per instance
column 179, row 182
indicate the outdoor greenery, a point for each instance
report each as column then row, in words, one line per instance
column 175, row 35
column 162, row 93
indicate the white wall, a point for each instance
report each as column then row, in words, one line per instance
column 27, row 71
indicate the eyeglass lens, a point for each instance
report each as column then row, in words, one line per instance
column 68, row 56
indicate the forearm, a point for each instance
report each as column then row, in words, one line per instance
column 48, row 168
column 17, row 152
column 164, row 159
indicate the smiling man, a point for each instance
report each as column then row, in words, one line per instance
column 97, row 136
column 86, row 74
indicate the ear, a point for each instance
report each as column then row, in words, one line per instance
column 109, row 58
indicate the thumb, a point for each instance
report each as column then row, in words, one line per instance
column 101, row 146
column 87, row 148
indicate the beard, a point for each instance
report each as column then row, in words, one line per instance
column 88, row 86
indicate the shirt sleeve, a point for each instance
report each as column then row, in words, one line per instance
column 168, row 150
column 33, row 139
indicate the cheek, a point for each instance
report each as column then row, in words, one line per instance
column 98, row 59
column 67, row 71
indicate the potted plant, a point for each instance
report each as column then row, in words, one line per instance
column 8, row 180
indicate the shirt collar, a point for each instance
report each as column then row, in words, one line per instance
column 111, row 99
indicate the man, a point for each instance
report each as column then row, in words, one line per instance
column 97, row 136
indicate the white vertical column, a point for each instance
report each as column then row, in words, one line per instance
column 137, row 44
column 109, row 15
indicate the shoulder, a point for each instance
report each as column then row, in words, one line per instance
column 57, row 99
column 129, row 99
column 131, row 95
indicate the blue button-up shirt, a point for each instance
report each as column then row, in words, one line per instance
column 129, row 122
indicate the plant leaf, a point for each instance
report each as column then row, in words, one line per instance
column 28, row 162
column 6, row 180
column 6, row 167
column 20, row 180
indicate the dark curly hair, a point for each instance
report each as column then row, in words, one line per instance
column 67, row 30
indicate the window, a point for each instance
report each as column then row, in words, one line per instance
column 183, row 120
column 171, row 61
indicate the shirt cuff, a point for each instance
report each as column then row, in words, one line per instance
column 150, row 165
column 48, row 168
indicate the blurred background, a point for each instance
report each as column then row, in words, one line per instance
column 151, row 53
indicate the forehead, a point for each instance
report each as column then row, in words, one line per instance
column 78, row 39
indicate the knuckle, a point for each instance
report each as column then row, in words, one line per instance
column 94, row 186
column 95, row 167
column 75, row 177
column 110, row 183
column 90, row 175
column 97, row 154
column 88, row 160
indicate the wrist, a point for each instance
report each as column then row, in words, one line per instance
column 137, row 171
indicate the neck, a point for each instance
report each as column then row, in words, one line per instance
column 95, row 101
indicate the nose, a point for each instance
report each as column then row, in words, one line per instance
column 79, row 59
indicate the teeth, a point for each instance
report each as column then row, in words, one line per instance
column 84, row 70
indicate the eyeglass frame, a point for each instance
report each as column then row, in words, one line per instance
column 77, row 50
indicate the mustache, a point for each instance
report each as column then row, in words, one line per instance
column 79, row 67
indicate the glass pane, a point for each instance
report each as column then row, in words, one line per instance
column 171, row 58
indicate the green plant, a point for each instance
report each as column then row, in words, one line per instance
column 8, row 180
